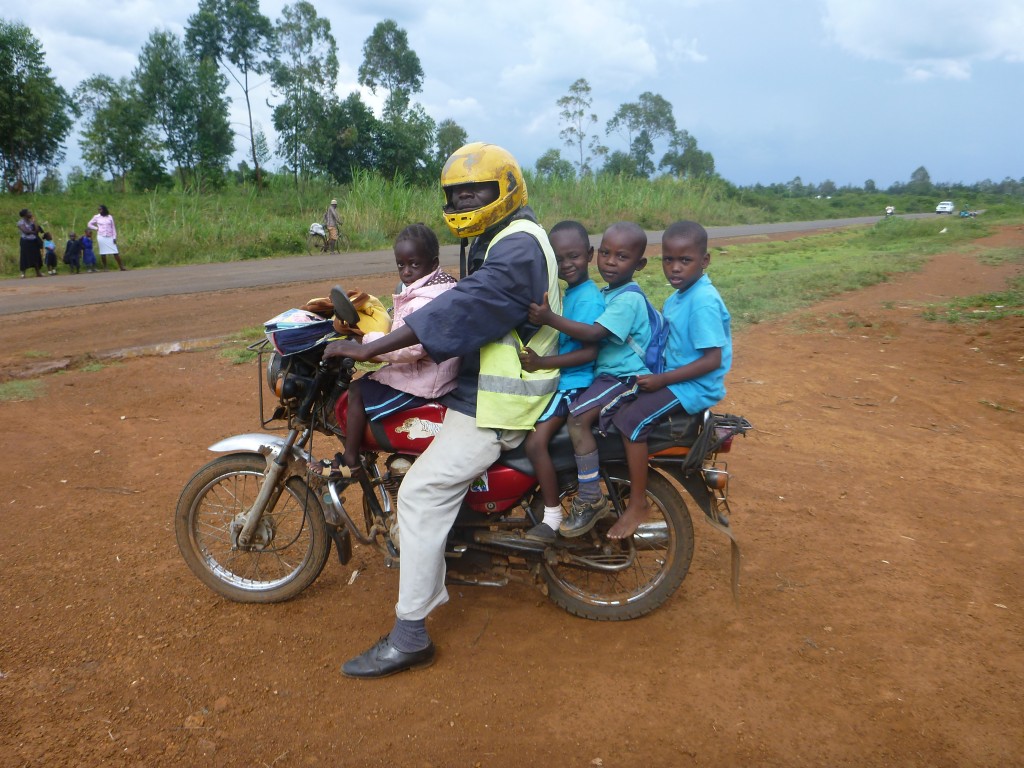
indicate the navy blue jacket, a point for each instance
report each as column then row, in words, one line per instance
column 485, row 305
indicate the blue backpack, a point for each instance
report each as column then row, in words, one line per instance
column 654, row 355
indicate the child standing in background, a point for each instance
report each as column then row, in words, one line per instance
column 72, row 252
column 88, row 255
column 49, row 254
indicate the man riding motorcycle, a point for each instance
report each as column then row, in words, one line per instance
column 483, row 320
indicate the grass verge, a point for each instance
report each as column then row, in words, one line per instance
column 20, row 391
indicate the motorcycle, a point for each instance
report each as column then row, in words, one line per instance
column 256, row 524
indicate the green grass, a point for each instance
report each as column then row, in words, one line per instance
column 19, row 391
column 175, row 227
column 760, row 281
column 997, row 256
column 986, row 306
column 237, row 355
column 238, row 352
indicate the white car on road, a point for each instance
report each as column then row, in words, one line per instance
column 946, row 206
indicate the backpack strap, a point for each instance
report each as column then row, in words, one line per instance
column 630, row 341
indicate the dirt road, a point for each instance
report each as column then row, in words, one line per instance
column 878, row 505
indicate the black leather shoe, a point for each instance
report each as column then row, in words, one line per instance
column 384, row 659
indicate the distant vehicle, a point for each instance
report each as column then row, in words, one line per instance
column 946, row 206
column 890, row 210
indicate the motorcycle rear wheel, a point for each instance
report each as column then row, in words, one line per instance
column 664, row 549
column 293, row 544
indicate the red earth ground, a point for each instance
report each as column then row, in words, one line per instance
column 878, row 505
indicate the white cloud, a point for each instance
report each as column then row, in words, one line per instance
column 929, row 38
column 686, row 50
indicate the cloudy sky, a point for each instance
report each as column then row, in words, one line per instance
column 845, row 90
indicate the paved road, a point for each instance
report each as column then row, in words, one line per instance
column 32, row 294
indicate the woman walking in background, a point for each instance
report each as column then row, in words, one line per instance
column 106, row 236
column 31, row 246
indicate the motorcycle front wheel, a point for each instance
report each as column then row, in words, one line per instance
column 607, row 580
column 290, row 544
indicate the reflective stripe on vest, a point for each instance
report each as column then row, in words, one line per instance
column 508, row 396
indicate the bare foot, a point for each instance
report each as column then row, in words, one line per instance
column 626, row 525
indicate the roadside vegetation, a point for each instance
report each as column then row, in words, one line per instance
column 171, row 227
column 761, row 281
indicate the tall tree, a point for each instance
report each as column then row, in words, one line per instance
column 304, row 71
column 641, row 123
column 35, row 112
column 187, row 105
column 575, row 114
column 406, row 133
column 116, row 136
column 389, row 63
column 238, row 37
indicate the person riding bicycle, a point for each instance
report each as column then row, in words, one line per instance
column 333, row 225
column 483, row 320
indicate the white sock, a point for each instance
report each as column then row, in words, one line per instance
column 553, row 517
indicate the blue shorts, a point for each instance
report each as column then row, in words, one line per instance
column 559, row 405
column 380, row 400
column 635, row 419
column 608, row 393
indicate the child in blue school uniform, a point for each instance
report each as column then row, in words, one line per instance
column 583, row 303
column 621, row 328
column 88, row 254
column 73, row 252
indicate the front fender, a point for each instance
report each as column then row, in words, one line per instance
column 253, row 441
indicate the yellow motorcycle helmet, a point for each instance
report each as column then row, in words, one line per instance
column 482, row 163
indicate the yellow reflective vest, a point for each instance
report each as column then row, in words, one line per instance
column 508, row 396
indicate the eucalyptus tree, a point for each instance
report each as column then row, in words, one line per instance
column 115, row 136
column 406, row 133
column 389, row 63
column 235, row 35
column 641, row 123
column 575, row 114
column 35, row 112
column 304, row 72
column 187, row 104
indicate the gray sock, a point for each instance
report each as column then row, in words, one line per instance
column 410, row 636
column 589, row 477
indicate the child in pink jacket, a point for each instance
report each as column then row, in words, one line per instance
column 411, row 378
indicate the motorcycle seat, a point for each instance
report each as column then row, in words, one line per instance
column 678, row 430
